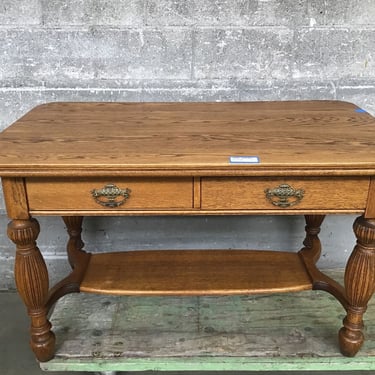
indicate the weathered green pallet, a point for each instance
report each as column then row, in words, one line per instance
column 282, row 332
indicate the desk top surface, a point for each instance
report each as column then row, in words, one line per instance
column 190, row 138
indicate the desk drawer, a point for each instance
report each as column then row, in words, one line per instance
column 284, row 194
column 109, row 193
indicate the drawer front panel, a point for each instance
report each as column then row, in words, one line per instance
column 284, row 194
column 109, row 194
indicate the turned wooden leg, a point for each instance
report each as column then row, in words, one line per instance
column 359, row 285
column 78, row 260
column 312, row 242
column 32, row 283
column 75, row 243
column 310, row 254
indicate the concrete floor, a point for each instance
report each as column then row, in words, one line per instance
column 16, row 357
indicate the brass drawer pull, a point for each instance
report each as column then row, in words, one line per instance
column 280, row 196
column 108, row 196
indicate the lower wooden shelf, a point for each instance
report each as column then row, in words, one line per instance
column 195, row 272
column 279, row 332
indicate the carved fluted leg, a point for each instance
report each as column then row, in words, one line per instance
column 31, row 277
column 359, row 285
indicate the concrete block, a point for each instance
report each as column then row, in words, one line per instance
column 189, row 95
column 253, row 54
column 92, row 95
column 288, row 91
column 92, row 12
column 289, row 13
column 221, row 13
column 191, row 12
column 342, row 13
column 327, row 54
column 88, row 57
column 189, row 91
column 20, row 12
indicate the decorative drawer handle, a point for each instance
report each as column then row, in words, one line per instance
column 108, row 195
column 280, row 196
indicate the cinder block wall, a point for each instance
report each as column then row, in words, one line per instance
column 184, row 50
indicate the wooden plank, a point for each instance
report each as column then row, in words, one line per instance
column 188, row 137
column 195, row 272
column 281, row 332
column 213, row 364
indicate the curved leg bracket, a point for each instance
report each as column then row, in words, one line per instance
column 78, row 260
column 310, row 254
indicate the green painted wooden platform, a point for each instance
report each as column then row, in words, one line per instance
column 283, row 332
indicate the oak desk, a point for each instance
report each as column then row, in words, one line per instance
column 290, row 158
